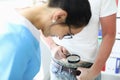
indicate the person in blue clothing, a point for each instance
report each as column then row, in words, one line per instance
column 19, row 34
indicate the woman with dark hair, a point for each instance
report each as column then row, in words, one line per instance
column 80, row 57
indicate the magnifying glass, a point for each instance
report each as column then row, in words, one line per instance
column 73, row 58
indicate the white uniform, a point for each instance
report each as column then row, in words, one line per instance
column 85, row 43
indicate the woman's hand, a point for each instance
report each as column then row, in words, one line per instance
column 86, row 74
column 58, row 52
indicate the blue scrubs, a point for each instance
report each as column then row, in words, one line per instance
column 19, row 53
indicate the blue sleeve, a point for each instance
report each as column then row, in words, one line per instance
column 17, row 60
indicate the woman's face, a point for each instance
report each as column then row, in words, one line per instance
column 60, row 30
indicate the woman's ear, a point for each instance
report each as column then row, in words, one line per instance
column 59, row 16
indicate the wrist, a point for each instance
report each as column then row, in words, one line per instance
column 94, row 72
column 52, row 46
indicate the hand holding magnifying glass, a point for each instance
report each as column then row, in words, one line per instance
column 74, row 58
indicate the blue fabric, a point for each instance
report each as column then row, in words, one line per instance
column 19, row 53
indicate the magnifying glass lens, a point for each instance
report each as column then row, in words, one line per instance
column 73, row 58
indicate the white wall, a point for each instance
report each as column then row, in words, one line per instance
column 118, row 13
column 16, row 3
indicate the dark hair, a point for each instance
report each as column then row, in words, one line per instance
column 79, row 11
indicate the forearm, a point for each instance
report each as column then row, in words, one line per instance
column 58, row 52
column 103, row 54
column 48, row 41
column 108, row 25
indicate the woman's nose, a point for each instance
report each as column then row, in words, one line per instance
column 60, row 37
